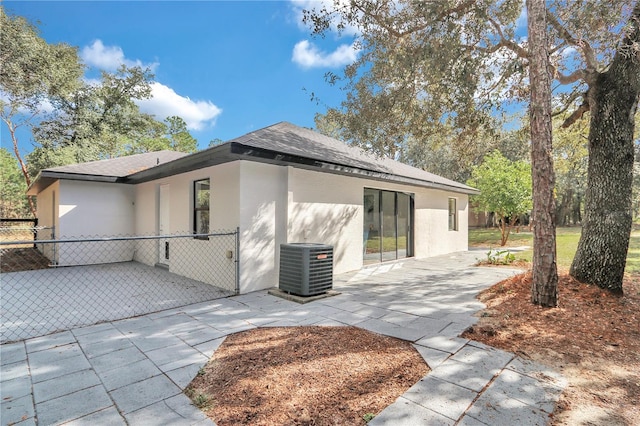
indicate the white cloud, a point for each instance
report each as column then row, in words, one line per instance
column 569, row 52
column 109, row 58
column 308, row 55
column 165, row 102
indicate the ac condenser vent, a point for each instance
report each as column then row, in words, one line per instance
column 306, row 269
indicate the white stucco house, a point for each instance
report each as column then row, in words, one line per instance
column 279, row 184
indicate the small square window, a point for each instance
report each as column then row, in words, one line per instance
column 201, row 194
column 453, row 215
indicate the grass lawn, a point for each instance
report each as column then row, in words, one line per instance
column 566, row 244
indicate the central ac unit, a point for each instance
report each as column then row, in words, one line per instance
column 306, row 269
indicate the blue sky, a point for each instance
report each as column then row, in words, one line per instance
column 226, row 67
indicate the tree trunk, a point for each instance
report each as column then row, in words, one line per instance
column 613, row 99
column 544, row 287
column 23, row 167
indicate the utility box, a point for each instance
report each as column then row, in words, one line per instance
column 306, row 269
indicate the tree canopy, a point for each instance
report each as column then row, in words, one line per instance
column 32, row 71
column 426, row 64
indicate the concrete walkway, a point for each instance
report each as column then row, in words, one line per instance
column 133, row 371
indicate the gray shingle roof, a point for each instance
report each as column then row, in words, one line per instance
column 290, row 139
column 282, row 143
column 121, row 166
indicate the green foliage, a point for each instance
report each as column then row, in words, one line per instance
column 13, row 199
column 31, row 72
column 95, row 122
column 500, row 257
column 566, row 244
column 570, row 154
column 200, row 400
column 505, row 189
column 102, row 121
column 89, row 121
column 505, row 185
column 32, row 69
column 179, row 137
column 368, row 417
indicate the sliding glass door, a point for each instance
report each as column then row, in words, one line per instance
column 388, row 233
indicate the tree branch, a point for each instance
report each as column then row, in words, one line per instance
column 510, row 44
column 567, row 104
column 581, row 74
column 461, row 8
column 578, row 113
column 587, row 51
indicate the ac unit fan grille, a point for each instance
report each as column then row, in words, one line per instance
column 306, row 269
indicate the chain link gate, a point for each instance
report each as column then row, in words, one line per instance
column 56, row 285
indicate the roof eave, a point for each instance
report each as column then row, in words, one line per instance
column 198, row 160
column 46, row 178
column 233, row 151
column 241, row 151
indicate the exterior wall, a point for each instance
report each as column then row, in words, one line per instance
column 432, row 235
column 263, row 223
column 270, row 204
column 203, row 260
column 47, row 202
column 327, row 209
column 290, row 205
column 94, row 209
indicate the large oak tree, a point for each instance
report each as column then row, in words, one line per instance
column 454, row 63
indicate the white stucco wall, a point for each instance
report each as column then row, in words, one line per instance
column 327, row 209
column 290, row 205
column 432, row 235
column 263, row 223
column 203, row 260
column 270, row 204
column 94, row 209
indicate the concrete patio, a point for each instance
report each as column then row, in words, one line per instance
column 39, row 302
column 133, row 371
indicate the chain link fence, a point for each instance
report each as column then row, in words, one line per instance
column 23, row 232
column 49, row 285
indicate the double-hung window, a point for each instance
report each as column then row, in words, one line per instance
column 201, row 195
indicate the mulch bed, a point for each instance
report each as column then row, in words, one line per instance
column 593, row 338
column 22, row 259
column 305, row 376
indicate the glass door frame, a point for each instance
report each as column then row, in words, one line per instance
column 374, row 226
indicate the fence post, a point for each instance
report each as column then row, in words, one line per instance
column 35, row 232
column 237, row 260
column 54, row 261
